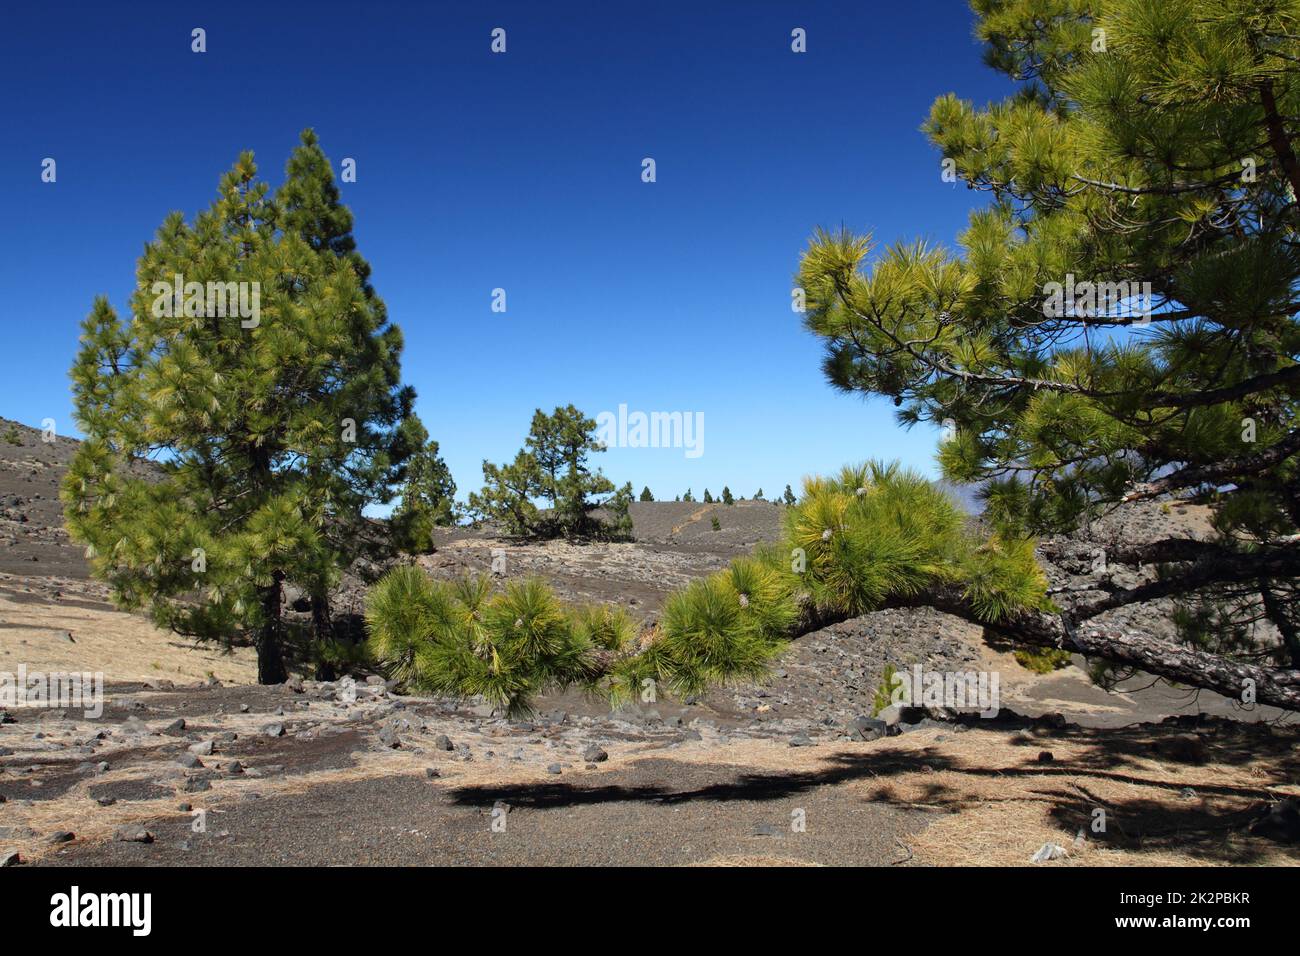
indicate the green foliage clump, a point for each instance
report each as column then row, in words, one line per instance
column 853, row 542
column 1042, row 660
column 428, row 500
column 12, row 436
column 884, row 692
column 460, row 638
column 715, row 523
column 727, row 498
column 646, row 495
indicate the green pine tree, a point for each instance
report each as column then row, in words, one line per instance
column 788, row 496
column 645, row 494
column 553, row 466
column 428, row 500
column 708, row 498
column 267, row 394
column 1119, row 322
column 727, row 498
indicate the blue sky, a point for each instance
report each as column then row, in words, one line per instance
column 519, row 171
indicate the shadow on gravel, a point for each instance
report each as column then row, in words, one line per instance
column 1167, row 815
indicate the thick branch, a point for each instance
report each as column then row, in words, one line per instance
column 1220, row 472
column 1176, row 662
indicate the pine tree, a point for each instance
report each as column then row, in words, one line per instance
column 645, row 494
column 267, row 394
column 1119, row 323
column 758, row 495
column 561, row 443
column 727, row 498
column 553, row 466
column 428, row 499
column 507, row 493
column 688, row 496
column 618, row 525
column 708, row 498
column 788, row 496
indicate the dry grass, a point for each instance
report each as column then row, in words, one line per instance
column 124, row 647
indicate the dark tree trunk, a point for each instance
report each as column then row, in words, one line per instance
column 322, row 629
column 270, row 642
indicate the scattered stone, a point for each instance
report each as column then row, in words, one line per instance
column 133, row 834
column 106, row 801
column 869, row 728
column 767, row 829
column 184, row 807
column 196, row 785
column 555, row 768
column 62, row 836
column 1045, row 756
column 801, row 740
column 10, row 859
column 1049, row 851
column 243, row 708
column 202, row 749
column 273, row 730
column 1281, row 822
column 432, row 774
column 189, row 761
column 443, row 742
column 594, row 754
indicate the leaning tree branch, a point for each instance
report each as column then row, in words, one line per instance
column 1176, row 662
column 1220, row 472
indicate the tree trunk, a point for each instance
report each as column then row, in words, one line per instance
column 1278, row 687
column 322, row 630
column 270, row 649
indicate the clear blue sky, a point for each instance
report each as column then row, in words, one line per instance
column 520, row 171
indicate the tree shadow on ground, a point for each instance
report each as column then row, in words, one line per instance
column 1136, row 775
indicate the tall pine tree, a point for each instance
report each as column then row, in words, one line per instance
column 1119, row 322
column 270, row 426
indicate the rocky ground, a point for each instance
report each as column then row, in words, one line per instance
column 351, row 773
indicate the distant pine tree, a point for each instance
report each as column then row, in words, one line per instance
column 708, row 498
column 788, row 496
column 688, row 496
column 727, row 499
column 645, row 494
column 758, row 495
